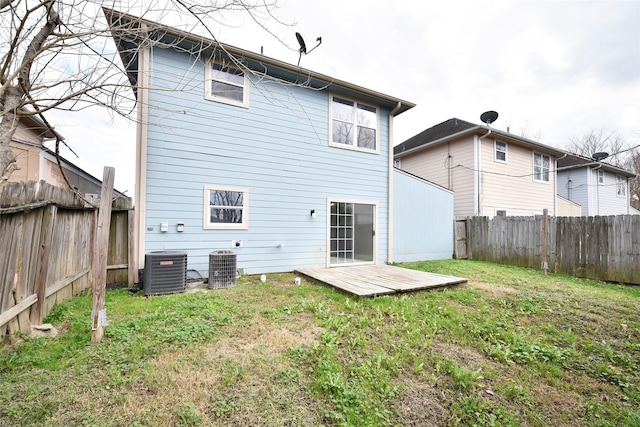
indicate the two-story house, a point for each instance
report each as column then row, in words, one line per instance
column 491, row 172
column 239, row 151
column 598, row 187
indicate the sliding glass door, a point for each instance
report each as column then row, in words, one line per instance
column 352, row 233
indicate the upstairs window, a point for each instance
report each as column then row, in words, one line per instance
column 501, row 151
column 600, row 175
column 353, row 125
column 225, row 208
column 541, row 165
column 621, row 183
column 226, row 83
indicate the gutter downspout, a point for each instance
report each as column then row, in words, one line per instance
column 390, row 184
column 141, row 155
column 478, row 168
column 597, row 189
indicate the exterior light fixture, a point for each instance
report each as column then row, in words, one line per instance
column 313, row 213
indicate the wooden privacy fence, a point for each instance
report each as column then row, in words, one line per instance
column 597, row 247
column 46, row 241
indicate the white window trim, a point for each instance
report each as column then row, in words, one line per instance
column 221, row 226
column 621, row 180
column 495, row 151
column 353, row 147
column 212, row 97
column 533, row 166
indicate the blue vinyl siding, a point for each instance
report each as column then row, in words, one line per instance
column 277, row 148
column 423, row 219
column 604, row 197
column 594, row 198
column 573, row 185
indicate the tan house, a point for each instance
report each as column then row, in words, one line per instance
column 491, row 172
column 36, row 162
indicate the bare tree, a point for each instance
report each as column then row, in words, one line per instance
column 526, row 130
column 601, row 140
column 621, row 152
column 59, row 54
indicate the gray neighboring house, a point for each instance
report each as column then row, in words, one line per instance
column 598, row 187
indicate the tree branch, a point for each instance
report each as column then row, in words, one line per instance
column 53, row 20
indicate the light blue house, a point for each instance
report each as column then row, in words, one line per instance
column 598, row 187
column 238, row 151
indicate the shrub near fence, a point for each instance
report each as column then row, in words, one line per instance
column 601, row 247
column 46, row 239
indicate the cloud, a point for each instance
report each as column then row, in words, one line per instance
column 557, row 68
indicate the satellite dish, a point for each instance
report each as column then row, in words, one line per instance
column 488, row 117
column 600, row 155
column 303, row 46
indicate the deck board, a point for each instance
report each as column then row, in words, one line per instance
column 372, row 280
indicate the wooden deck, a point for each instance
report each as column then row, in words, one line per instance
column 372, row 280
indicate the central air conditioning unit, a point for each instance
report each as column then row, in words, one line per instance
column 165, row 272
column 222, row 269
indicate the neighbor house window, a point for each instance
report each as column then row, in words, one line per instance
column 397, row 163
column 353, row 125
column 501, row 151
column 501, row 212
column 541, row 164
column 225, row 207
column 600, row 174
column 621, row 183
column 226, row 83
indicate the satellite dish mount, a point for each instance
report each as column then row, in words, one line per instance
column 303, row 46
column 489, row 117
column 599, row 156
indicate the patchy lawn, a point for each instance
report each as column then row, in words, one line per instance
column 510, row 347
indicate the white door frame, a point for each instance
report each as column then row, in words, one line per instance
column 373, row 203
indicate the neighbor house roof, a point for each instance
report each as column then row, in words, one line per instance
column 575, row 161
column 31, row 120
column 121, row 25
column 456, row 128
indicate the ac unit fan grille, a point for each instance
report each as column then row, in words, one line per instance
column 222, row 269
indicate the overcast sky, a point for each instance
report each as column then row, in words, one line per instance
column 552, row 69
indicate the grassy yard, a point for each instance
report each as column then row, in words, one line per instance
column 511, row 347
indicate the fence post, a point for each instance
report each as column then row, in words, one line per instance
column 545, row 241
column 132, row 272
column 46, row 240
column 99, row 315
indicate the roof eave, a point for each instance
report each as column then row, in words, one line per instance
column 597, row 165
column 438, row 141
column 477, row 129
column 252, row 56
